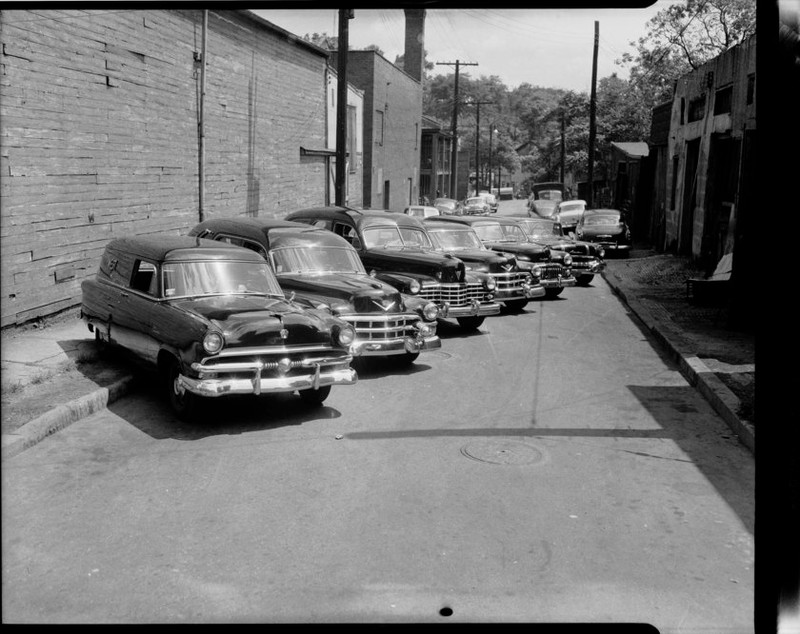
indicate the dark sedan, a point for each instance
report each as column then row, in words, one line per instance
column 606, row 227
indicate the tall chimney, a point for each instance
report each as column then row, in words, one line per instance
column 415, row 38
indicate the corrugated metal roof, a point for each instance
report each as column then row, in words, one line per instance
column 633, row 149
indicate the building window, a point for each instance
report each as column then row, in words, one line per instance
column 751, row 88
column 722, row 100
column 683, row 109
column 427, row 152
column 352, row 132
column 674, row 187
column 416, row 135
column 696, row 108
column 379, row 127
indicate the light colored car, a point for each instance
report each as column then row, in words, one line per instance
column 476, row 206
column 568, row 213
column 421, row 211
column 448, row 206
column 491, row 200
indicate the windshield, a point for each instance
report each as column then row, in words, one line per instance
column 474, row 201
column 317, row 260
column 602, row 220
column 447, row 204
column 387, row 237
column 415, row 237
column 219, row 277
column 550, row 194
column 455, row 239
column 540, row 229
column 490, row 233
column 571, row 207
column 513, row 233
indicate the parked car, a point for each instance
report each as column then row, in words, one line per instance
column 491, row 200
column 421, row 211
column 475, row 206
column 552, row 269
column 587, row 258
column 544, row 198
column 567, row 214
column 322, row 268
column 397, row 250
column 606, row 227
column 448, row 206
column 213, row 320
column 513, row 287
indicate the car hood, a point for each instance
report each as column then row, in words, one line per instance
column 414, row 262
column 544, row 207
column 525, row 250
column 575, row 247
column 595, row 231
column 569, row 217
column 492, row 259
column 258, row 321
column 362, row 293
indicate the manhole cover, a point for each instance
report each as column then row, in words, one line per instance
column 503, row 452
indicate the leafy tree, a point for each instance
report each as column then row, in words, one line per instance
column 331, row 42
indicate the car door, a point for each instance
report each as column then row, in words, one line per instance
column 140, row 317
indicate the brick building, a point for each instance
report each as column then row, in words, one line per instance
column 99, row 135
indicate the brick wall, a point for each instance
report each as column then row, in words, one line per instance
column 99, row 136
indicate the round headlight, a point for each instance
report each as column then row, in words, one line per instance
column 537, row 271
column 430, row 311
column 213, row 342
column 491, row 284
column 568, row 260
column 345, row 335
column 414, row 287
column 601, row 252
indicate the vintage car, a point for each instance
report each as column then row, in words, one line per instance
column 324, row 269
column 491, row 200
column 397, row 250
column 212, row 319
column 475, row 206
column 587, row 258
column 448, row 206
column 544, row 198
column 567, row 214
column 552, row 269
column 513, row 287
column 606, row 227
column 421, row 211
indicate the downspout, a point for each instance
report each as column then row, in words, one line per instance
column 201, row 122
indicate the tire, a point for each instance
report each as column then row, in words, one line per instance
column 315, row 397
column 585, row 280
column 550, row 293
column 516, row 305
column 470, row 323
column 187, row 406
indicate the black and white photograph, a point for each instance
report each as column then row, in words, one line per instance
column 396, row 314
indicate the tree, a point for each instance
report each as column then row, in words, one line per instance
column 331, row 43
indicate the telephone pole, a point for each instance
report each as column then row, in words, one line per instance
column 477, row 139
column 454, row 149
column 592, row 113
column 345, row 15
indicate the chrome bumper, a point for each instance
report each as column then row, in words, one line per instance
column 559, row 282
column 395, row 346
column 592, row 267
column 473, row 309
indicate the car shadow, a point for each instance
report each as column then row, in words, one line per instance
column 369, row 368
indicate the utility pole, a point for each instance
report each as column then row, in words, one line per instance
column 489, row 170
column 454, row 149
column 563, row 143
column 477, row 139
column 592, row 113
column 345, row 15
column 201, row 125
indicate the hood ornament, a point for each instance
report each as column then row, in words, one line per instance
column 508, row 267
column 283, row 332
column 382, row 306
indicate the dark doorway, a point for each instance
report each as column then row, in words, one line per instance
column 690, row 174
column 721, row 196
column 386, row 197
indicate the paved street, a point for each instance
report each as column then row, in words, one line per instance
column 552, row 467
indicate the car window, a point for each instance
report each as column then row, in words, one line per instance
column 388, row 237
column 415, row 237
column 348, row 233
column 144, row 278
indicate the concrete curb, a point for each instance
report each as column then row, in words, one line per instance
column 62, row 416
column 724, row 402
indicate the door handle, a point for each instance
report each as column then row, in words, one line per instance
column 123, row 294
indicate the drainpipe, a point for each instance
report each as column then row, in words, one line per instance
column 201, row 122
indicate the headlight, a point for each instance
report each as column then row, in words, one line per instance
column 213, row 342
column 537, row 271
column 601, row 252
column 525, row 265
column 490, row 283
column 568, row 260
column 414, row 287
column 430, row 311
column 345, row 335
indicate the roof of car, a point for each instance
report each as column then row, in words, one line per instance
column 464, row 220
column 273, row 231
column 161, row 247
column 591, row 212
column 437, row 222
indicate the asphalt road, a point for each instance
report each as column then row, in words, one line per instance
column 551, row 467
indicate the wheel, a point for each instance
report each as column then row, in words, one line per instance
column 516, row 305
column 585, row 280
column 550, row 293
column 470, row 323
column 315, row 397
column 187, row 405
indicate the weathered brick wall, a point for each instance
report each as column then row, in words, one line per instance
column 99, row 136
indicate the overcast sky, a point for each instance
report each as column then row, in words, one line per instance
column 543, row 47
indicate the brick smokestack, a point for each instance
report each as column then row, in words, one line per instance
column 415, row 39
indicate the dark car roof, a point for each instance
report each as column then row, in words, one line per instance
column 273, row 231
column 437, row 222
column 360, row 217
column 464, row 220
column 160, row 248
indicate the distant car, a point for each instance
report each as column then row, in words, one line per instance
column 544, row 198
column 587, row 258
column 421, row 211
column 322, row 268
column 550, row 268
column 514, row 287
column 448, row 206
column 213, row 320
column 398, row 249
column 491, row 199
column 476, row 206
column 567, row 214
column 606, row 227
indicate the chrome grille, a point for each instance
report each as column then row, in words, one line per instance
column 236, row 361
column 550, row 271
column 430, row 292
column 509, row 281
column 377, row 327
column 461, row 294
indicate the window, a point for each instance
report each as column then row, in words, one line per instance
column 352, row 132
column 348, row 233
column 697, row 107
column 722, row 100
column 683, row 109
column 144, row 278
column 379, row 127
column 751, row 88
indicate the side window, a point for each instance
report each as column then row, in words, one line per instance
column 144, row 278
column 348, row 233
column 254, row 246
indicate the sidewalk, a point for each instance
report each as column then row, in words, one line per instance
column 61, row 356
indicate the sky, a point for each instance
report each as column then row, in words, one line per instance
column 551, row 48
